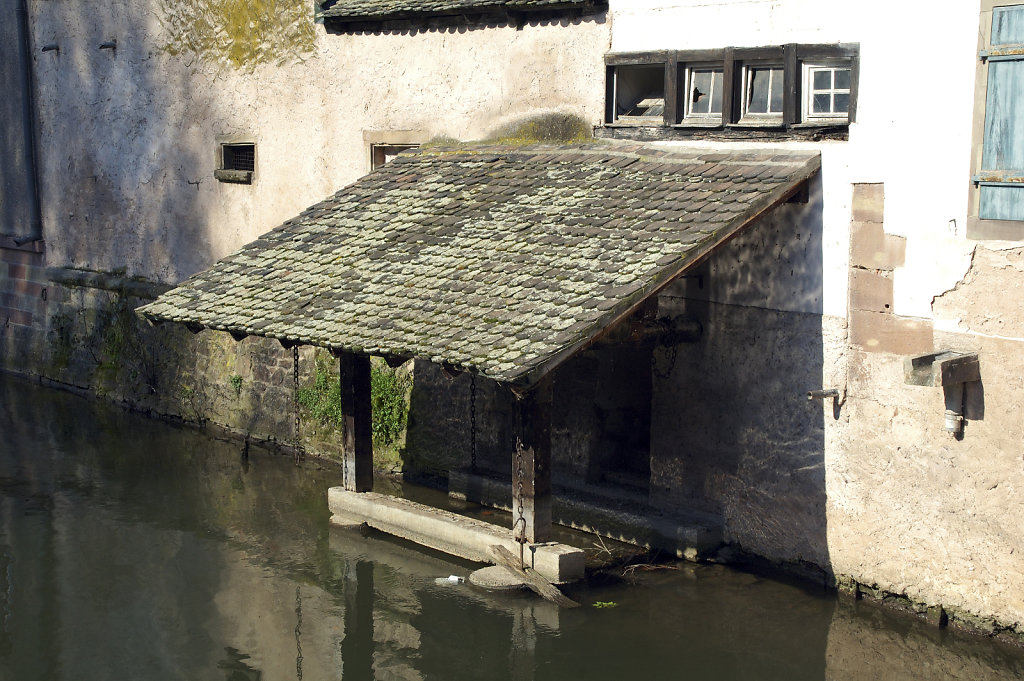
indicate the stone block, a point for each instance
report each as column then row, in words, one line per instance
column 18, row 317
column 877, row 332
column 868, row 202
column 872, row 248
column 447, row 532
column 870, row 290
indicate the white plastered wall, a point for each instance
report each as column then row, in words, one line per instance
column 913, row 129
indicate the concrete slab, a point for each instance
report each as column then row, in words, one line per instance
column 496, row 578
column 445, row 531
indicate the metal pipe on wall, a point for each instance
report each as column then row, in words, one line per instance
column 28, row 122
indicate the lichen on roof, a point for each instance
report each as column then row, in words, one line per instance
column 501, row 260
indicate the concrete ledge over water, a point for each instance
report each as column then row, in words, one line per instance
column 445, row 531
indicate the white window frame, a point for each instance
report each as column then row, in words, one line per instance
column 690, row 117
column 769, row 117
column 807, row 84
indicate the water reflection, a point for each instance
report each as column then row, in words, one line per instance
column 131, row 548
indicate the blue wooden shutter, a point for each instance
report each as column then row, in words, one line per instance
column 1003, row 153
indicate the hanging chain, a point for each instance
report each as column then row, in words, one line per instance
column 520, row 473
column 672, row 354
column 295, row 389
column 298, row 633
column 472, row 421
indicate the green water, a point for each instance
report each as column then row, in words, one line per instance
column 134, row 549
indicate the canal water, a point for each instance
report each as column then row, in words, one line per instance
column 134, row 549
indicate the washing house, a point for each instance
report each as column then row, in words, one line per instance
column 726, row 278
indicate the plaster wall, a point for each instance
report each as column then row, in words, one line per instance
column 923, row 159
column 130, row 135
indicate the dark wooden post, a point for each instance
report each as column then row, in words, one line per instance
column 531, row 465
column 357, row 437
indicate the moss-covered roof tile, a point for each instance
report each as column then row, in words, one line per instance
column 531, row 250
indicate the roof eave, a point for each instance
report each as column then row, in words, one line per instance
column 633, row 302
column 496, row 10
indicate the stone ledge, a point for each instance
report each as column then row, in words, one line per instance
column 445, row 531
column 107, row 281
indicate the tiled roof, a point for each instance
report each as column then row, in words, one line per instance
column 499, row 260
column 378, row 10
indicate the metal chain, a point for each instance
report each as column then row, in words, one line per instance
column 520, row 473
column 298, row 633
column 472, row 421
column 673, row 353
column 295, row 389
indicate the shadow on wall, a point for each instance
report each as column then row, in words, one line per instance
column 131, row 106
column 128, row 131
column 121, row 172
column 733, row 433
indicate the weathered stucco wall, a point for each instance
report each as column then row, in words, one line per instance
column 131, row 133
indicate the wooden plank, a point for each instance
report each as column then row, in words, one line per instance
column 538, row 584
column 357, row 443
column 672, row 114
column 609, row 94
column 730, row 88
column 791, row 92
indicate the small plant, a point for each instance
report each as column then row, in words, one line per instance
column 236, row 383
column 323, row 398
column 605, row 604
column 388, row 390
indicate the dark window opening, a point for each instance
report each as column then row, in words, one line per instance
column 764, row 91
column 382, row 154
column 237, row 163
column 640, row 94
column 240, row 157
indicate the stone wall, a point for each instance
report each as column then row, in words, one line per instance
column 914, row 510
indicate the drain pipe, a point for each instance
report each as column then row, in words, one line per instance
column 28, row 123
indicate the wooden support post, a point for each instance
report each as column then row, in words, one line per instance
column 531, row 465
column 354, row 381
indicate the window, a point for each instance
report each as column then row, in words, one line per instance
column 762, row 92
column 791, row 91
column 637, row 93
column 703, row 94
column 997, row 194
column 237, row 162
column 382, row 154
column 827, row 91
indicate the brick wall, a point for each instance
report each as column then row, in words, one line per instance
column 23, row 291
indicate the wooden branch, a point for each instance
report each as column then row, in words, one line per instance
column 538, row 584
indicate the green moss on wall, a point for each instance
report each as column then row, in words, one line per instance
column 240, row 33
column 550, row 128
